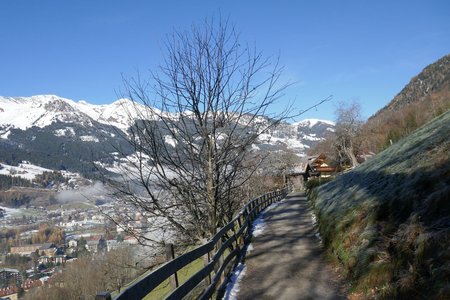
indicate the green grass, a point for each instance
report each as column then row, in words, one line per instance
column 163, row 290
column 184, row 274
column 387, row 222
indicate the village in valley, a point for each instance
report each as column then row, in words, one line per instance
column 37, row 242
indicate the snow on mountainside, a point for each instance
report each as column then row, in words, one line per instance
column 29, row 171
column 312, row 122
column 60, row 133
column 43, row 110
column 118, row 114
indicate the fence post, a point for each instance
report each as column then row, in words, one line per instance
column 241, row 237
column 170, row 254
column 219, row 263
column 250, row 211
column 206, row 261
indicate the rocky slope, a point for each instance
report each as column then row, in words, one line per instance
column 433, row 79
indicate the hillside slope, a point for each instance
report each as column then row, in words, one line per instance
column 433, row 79
column 387, row 222
column 425, row 97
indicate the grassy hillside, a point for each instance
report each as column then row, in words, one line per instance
column 388, row 221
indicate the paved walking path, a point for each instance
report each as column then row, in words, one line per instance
column 287, row 260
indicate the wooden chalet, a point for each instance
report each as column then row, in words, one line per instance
column 310, row 166
column 317, row 167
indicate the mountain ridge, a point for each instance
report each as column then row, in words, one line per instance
column 425, row 97
column 434, row 78
column 99, row 112
column 57, row 132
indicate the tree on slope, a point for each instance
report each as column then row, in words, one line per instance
column 197, row 124
column 347, row 130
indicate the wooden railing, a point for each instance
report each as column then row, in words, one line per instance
column 221, row 254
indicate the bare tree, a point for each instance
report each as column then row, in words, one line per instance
column 85, row 277
column 348, row 126
column 197, row 124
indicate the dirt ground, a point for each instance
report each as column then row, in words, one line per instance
column 287, row 260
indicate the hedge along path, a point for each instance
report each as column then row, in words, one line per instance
column 287, row 260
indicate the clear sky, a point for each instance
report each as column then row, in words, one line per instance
column 354, row 50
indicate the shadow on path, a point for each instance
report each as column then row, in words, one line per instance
column 287, row 258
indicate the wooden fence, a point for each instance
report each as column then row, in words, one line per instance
column 221, row 254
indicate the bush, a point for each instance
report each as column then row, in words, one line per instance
column 315, row 182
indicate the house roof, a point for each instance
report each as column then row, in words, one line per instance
column 9, row 270
column 311, row 161
column 47, row 246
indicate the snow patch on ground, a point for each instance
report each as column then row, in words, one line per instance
column 255, row 148
column 233, row 287
column 27, row 171
column 315, row 225
column 11, row 211
column 258, row 227
column 89, row 138
column 68, row 131
column 170, row 140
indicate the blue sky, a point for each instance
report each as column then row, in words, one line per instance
column 354, row 50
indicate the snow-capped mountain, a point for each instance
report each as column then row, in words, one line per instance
column 55, row 132
column 43, row 110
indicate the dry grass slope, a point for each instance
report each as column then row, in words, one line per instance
column 388, row 221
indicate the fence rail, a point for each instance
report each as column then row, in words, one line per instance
column 218, row 261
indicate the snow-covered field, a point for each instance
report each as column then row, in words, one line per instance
column 11, row 211
column 24, row 170
column 30, row 171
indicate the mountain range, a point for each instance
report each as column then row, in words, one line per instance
column 63, row 134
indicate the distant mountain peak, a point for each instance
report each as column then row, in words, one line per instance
column 312, row 122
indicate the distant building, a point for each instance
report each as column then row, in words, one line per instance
column 310, row 166
column 25, row 250
column 92, row 246
column 8, row 275
column 112, row 245
column 97, row 245
column 48, row 249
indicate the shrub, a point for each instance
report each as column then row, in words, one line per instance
column 315, row 182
